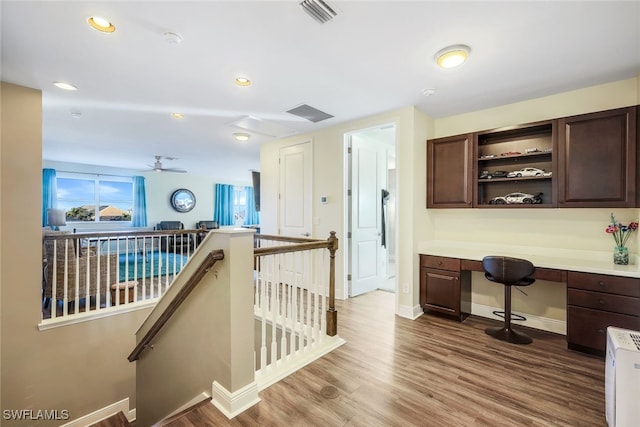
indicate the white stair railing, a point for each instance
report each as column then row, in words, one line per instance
column 293, row 299
column 93, row 272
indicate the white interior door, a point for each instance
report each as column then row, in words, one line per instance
column 295, row 190
column 368, row 178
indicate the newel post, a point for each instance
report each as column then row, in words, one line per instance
column 332, row 314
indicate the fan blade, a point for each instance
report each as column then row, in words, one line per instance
column 173, row 170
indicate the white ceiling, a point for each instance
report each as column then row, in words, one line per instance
column 375, row 56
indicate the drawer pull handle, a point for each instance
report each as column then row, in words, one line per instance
column 601, row 284
column 601, row 331
column 601, row 302
column 439, row 262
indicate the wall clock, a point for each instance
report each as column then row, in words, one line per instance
column 183, row 200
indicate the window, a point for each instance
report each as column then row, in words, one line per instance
column 239, row 203
column 96, row 198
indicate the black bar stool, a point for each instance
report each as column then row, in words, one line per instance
column 510, row 272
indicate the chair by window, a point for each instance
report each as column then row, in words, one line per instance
column 176, row 242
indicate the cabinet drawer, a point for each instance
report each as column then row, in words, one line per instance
column 439, row 262
column 442, row 291
column 602, row 301
column 602, row 283
column 588, row 328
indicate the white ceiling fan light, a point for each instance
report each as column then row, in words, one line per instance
column 157, row 166
column 172, row 38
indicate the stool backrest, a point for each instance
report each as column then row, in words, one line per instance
column 508, row 271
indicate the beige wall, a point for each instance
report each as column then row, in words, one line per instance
column 572, row 229
column 560, row 228
column 81, row 367
column 412, row 129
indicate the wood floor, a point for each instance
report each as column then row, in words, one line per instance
column 428, row 372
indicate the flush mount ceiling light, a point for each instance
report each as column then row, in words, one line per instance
column 452, row 56
column 65, row 86
column 239, row 136
column 76, row 114
column 242, row 81
column 101, row 24
column 177, row 115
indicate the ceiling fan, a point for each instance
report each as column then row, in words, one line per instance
column 157, row 167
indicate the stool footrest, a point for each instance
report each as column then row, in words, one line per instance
column 509, row 335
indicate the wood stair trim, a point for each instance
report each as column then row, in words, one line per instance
column 211, row 258
column 174, row 417
column 115, row 420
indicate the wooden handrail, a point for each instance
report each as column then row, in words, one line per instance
column 211, row 258
column 302, row 244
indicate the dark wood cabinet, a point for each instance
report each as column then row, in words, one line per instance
column 449, row 172
column 597, row 159
column 586, row 161
column 596, row 301
column 444, row 287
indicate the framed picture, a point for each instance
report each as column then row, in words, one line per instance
column 183, row 200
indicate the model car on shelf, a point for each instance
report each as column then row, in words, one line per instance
column 487, row 156
column 511, row 153
column 517, row 198
column 526, row 172
column 494, row 174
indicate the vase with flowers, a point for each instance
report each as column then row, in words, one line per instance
column 620, row 235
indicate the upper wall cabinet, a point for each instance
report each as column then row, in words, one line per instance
column 516, row 167
column 597, row 159
column 449, row 172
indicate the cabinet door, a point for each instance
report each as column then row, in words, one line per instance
column 597, row 159
column 449, row 172
column 442, row 291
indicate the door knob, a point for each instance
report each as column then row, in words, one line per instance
column 306, row 234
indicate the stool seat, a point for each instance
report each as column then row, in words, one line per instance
column 509, row 272
column 120, row 290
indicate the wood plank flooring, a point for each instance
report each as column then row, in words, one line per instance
column 432, row 371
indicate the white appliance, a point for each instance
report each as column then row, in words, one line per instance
column 622, row 377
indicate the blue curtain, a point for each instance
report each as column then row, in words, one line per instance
column 139, row 203
column 223, row 209
column 253, row 217
column 49, row 193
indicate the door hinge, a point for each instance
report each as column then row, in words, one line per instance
column 348, row 234
column 349, row 150
column 349, row 192
column 348, row 277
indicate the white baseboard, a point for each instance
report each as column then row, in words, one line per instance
column 533, row 321
column 101, row 414
column 265, row 379
column 232, row 404
column 409, row 312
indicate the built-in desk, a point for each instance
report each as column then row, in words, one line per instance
column 599, row 293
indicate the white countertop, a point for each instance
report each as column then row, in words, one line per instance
column 574, row 260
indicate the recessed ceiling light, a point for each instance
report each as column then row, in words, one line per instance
column 101, row 24
column 76, row 114
column 452, row 56
column 65, row 86
column 242, row 81
column 428, row 92
column 241, row 136
column 177, row 115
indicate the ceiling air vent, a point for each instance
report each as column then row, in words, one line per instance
column 308, row 112
column 318, row 10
